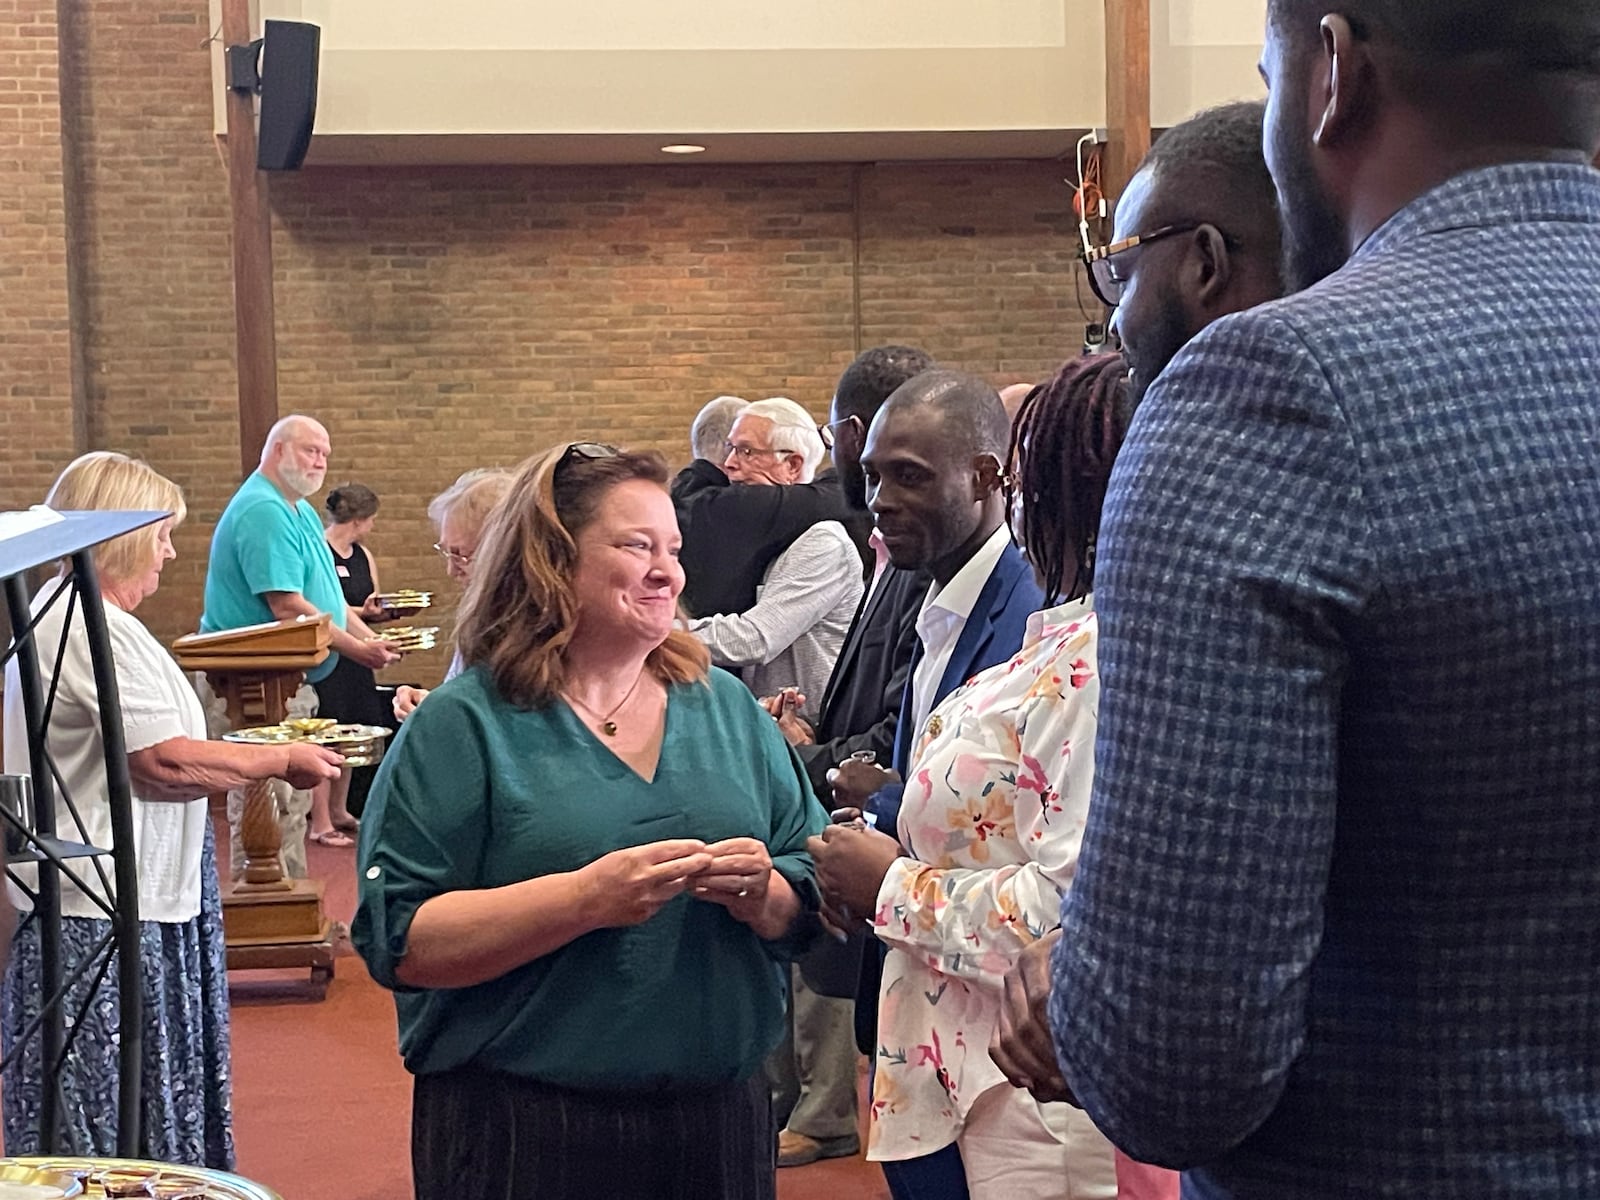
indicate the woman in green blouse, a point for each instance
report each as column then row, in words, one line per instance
column 583, row 869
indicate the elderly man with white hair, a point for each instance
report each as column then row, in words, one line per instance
column 732, row 535
column 791, row 638
column 792, row 635
column 269, row 562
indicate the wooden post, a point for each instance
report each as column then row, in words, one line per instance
column 254, row 337
column 1127, row 92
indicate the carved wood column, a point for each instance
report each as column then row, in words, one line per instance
column 259, row 699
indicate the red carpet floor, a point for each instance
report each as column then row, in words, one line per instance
column 322, row 1106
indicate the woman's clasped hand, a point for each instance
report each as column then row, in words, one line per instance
column 635, row 883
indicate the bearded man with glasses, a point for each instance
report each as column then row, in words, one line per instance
column 1196, row 238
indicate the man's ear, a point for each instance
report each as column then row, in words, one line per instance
column 985, row 475
column 1347, row 77
column 1212, row 266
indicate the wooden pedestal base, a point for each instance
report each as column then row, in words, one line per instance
column 269, row 919
column 279, row 928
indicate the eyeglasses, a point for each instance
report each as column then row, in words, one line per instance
column 746, row 452
column 825, row 432
column 1107, row 285
column 455, row 556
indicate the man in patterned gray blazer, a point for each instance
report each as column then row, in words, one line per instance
column 1336, row 927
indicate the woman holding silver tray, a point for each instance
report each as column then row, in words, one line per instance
column 187, row 1112
column 349, row 693
column 582, row 869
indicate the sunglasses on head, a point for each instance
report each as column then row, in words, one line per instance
column 585, row 452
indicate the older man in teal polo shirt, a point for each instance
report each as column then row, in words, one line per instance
column 269, row 562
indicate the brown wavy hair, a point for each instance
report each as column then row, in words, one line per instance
column 520, row 611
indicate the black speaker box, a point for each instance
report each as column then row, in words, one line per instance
column 288, row 94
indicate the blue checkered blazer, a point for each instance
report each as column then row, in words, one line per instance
column 1336, row 931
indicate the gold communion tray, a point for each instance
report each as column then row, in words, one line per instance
column 406, row 600
column 361, row 745
column 111, row 1178
column 22, row 1180
column 410, row 637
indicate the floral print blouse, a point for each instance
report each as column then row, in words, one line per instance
column 993, row 817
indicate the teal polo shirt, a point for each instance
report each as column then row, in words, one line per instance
column 265, row 544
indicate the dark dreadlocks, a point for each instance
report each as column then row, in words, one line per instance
column 1063, row 442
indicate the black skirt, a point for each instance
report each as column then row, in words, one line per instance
column 482, row 1135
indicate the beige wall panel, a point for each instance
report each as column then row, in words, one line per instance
column 1203, row 52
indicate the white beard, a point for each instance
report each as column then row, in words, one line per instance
column 304, row 483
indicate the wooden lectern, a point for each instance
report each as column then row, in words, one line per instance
column 269, row 919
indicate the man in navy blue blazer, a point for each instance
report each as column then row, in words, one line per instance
column 933, row 460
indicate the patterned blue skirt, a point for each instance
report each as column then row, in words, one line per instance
column 187, row 1101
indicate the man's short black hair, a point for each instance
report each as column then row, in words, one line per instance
column 1226, row 138
column 970, row 408
column 1493, row 70
column 1560, row 36
column 1215, row 158
column 873, row 377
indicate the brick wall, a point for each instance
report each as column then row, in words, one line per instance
column 441, row 319
column 157, row 292
column 36, row 411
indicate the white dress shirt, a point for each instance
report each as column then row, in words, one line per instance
column 793, row 635
column 944, row 615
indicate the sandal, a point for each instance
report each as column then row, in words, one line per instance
column 333, row 839
column 349, row 825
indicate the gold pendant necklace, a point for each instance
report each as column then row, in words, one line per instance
column 607, row 725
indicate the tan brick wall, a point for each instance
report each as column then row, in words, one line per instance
column 157, row 295
column 440, row 319
column 36, row 428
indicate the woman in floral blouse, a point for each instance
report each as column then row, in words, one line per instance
column 991, row 822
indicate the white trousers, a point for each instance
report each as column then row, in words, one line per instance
column 1014, row 1148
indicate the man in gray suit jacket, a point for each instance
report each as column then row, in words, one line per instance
column 1336, row 922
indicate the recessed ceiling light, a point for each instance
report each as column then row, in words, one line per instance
column 682, row 148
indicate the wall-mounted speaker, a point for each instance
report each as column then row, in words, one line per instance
column 288, row 94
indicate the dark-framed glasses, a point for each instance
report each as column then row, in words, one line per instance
column 1104, row 280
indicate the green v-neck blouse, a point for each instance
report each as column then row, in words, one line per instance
column 476, row 793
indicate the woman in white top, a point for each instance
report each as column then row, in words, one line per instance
column 990, row 825
column 187, row 1115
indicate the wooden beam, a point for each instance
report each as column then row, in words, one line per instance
column 1127, row 92
column 254, row 335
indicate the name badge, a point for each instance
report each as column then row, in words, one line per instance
column 344, row 572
